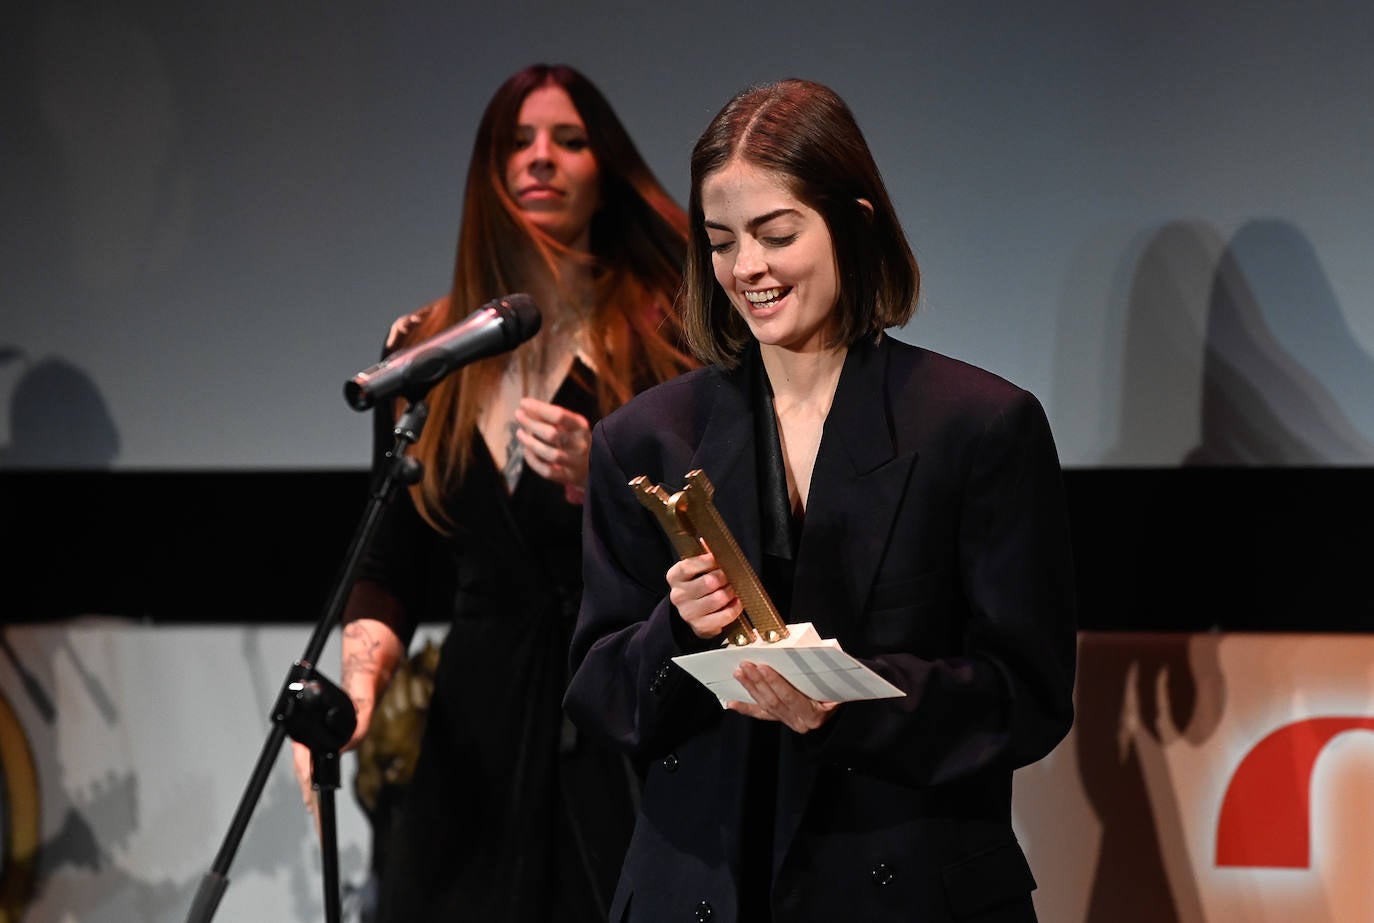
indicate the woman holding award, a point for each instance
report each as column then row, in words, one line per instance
column 906, row 504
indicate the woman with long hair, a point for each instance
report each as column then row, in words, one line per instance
column 510, row 814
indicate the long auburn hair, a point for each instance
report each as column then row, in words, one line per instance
column 638, row 240
column 804, row 132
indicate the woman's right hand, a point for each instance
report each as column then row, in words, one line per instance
column 371, row 652
column 301, row 760
column 702, row 595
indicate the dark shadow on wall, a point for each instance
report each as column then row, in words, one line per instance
column 58, row 417
column 1162, row 345
column 1271, row 303
column 1253, row 511
column 1221, row 347
column 1135, row 694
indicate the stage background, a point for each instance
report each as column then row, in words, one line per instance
column 1157, row 217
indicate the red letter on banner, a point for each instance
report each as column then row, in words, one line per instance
column 1266, row 812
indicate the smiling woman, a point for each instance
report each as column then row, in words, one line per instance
column 905, row 503
column 772, row 256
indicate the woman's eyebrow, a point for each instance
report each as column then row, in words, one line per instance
column 753, row 223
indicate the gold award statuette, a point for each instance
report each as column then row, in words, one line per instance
column 688, row 518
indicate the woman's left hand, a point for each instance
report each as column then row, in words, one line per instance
column 775, row 699
column 557, row 443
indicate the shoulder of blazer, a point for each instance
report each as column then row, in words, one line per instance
column 683, row 404
column 922, row 381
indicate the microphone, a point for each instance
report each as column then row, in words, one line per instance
column 501, row 324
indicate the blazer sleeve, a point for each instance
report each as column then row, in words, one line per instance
column 1005, row 697
column 624, row 686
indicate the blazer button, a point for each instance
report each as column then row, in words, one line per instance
column 883, row 874
column 704, row 912
column 670, row 764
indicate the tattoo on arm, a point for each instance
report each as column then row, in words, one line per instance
column 364, row 652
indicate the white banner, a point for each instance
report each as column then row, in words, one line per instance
column 141, row 742
column 1217, row 778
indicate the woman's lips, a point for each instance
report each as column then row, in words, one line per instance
column 763, row 301
column 540, row 192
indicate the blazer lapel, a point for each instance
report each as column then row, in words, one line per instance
column 856, row 487
column 856, row 484
column 726, row 453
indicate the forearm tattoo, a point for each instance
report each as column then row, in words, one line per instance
column 363, row 655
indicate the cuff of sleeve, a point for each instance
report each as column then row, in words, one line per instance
column 369, row 600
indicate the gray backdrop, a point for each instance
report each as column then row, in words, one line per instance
column 1158, row 217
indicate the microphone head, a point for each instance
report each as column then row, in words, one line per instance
column 499, row 325
column 520, row 318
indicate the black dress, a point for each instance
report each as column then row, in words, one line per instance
column 510, row 815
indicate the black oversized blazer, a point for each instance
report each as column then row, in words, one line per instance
column 936, row 549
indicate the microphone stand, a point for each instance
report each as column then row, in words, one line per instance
column 310, row 708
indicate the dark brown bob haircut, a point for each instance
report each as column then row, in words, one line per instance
column 804, row 132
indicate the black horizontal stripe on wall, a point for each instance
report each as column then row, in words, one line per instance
column 1176, row 549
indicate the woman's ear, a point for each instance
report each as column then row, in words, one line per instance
column 867, row 206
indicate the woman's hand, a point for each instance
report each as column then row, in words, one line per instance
column 301, row 763
column 775, row 699
column 557, row 443
column 371, row 652
column 403, row 325
column 702, row 595
column 301, row 759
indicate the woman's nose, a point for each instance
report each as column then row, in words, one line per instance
column 749, row 262
column 540, row 152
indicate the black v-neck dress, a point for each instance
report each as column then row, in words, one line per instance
column 510, row 816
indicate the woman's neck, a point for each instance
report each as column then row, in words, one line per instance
column 803, row 381
column 565, row 300
column 564, row 304
column 803, row 389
